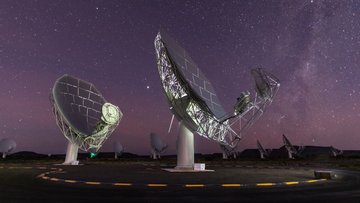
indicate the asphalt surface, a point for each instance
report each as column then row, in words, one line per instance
column 20, row 184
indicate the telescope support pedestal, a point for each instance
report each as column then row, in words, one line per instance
column 185, row 149
column 71, row 154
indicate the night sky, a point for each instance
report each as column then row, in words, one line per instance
column 312, row 46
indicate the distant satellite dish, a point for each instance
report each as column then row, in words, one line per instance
column 193, row 100
column 264, row 153
column 6, row 146
column 293, row 151
column 118, row 149
column 157, row 146
column 336, row 152
column 83, row 115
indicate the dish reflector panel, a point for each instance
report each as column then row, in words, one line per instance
column 200, row 85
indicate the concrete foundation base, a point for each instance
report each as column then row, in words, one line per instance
column 176, row 170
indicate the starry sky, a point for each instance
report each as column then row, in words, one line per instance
column 312, row 46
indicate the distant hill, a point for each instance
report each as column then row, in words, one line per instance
column 280, row 153
column 112, row 155
column 250, row 153
column 306, row 152
column 27, row 155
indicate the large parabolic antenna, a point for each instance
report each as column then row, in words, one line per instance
column 6, row 146
column 83, row 115
column 194, row 102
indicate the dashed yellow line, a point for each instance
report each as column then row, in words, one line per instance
column 122, row 184
column 156, row 185
column 194, row 185
column 70, row 181
column 54, row 179
column 43, row 176
column 92, row 183
column 185, row 185
column 265, row 184
column 231, row 185
column 292, row 183
column 315, row 180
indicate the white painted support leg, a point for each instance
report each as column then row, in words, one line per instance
column 290, row 155
column 71, row 154
column 224, row 156
column 154, row 154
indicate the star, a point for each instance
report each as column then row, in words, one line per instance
column 312, row 47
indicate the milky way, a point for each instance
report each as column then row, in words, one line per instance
column 312, row 46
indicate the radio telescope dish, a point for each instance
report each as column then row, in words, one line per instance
column 6, row 146
column 264, row 153
column 193, row 101
column 83, row 115
column 118, row 149
column 336, row 152
column 291, row 149
column 157, row 146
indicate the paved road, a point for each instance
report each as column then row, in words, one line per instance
column 22, row 185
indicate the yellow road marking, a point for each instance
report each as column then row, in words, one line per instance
column 231, row 185
column 54, row 179
column 194, row 185
column 122, row 184
column 292, row 183
column 92, row 183
column 156, row 185
column 70, row 181
column 265, row 184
